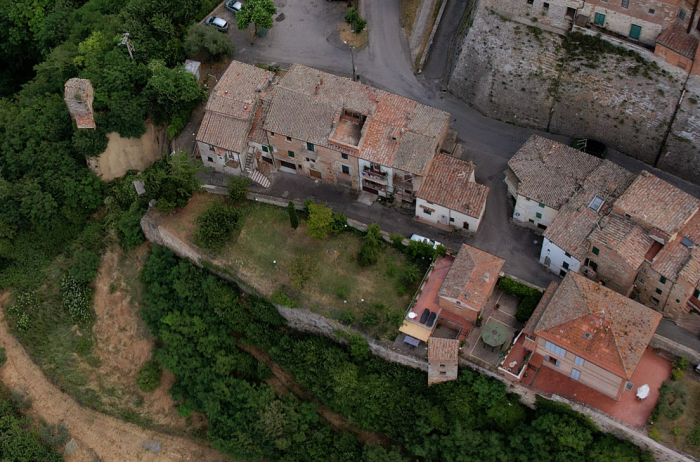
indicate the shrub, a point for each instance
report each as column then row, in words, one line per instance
column 654, row 434
column 293, row 215
column 529, row 295
column 55, row 435
column 676, row 374
column 83, row 346
column 677, row 431
column 359, row 348
column 673, row 399
column 340, row 222
column 320, row 222
column 129, row 226
column 216, row 224
column 77, row 300
column 371, row 246
column 342, row 293
column 681, row 363
column 410, row 274
column 25, row 303
column 238, row 188
column 302, row 270
column 694, row 436
column 23, row 402
column 369, row 317
column 526, row 308
column 3, row 356
column 359, row 25
column 397, row 242
column 202, row 39
column 85, row 266
column 352, row 16
column 148, row 377
column 280, row 297
column 348, row 317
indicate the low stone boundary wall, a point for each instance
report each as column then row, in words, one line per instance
column 677, row 349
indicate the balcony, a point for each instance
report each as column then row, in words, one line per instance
column 404, row 183
column 375, row 176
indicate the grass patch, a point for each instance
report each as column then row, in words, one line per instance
column 409, row 10
column 679, row 432
column 428, row 30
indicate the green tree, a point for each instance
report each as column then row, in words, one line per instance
column 170, row 91
column 293, row 216
column 320, row 222
column 148, row 377
column 85, row 265
column 371, row 246
column 172, row 181
column 301, row 270
column 259, row 12
column 129, row 225
column 208, row 41
column 216, row 224
column 238, row 188
column 353, row 18
column 359, row 348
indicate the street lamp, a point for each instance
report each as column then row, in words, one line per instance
column 352, row 54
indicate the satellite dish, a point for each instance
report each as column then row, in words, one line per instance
column 412, row 315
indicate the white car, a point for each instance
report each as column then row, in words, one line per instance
column 418, row 238
column 220, row 24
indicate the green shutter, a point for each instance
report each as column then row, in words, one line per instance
column 659, row 291
column 596, row 250
column 663, row 280
column 538, row 215
column 565, row 265
column 635, row 32
column 599, row 19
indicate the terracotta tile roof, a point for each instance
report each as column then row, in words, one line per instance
column 576, row 219
column 232, row 105
column 78, row 95
column 620, row 328
column 657, row 204
column 415, row 153
column 472, row 277
column 679, row 260
column 529, row 328
column 677, row 39
column 295, row 114
column 443, row 349
column 447, row 184
column 624, row 236
column 257, row 134
column 549, row 172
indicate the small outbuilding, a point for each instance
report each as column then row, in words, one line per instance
column 78, row 95
column 443, row 360
column 193, row 68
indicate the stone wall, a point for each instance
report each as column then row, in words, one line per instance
column 515, row 69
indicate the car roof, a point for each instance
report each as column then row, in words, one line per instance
column 218, row 21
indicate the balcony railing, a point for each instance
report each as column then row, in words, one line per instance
column 374, row 175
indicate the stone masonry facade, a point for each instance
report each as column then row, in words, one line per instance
column 517, row 69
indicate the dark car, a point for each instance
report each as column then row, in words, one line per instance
column 233, row 6
column 220, row 24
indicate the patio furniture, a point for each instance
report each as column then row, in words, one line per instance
column 643, row 392
column 494, row 334
column 512, row 364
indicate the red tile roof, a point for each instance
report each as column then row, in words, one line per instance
column 678, row 260
column 657, row 204
column 448, row 184
column 537, row 314
column 472, row 277
column 677, row 39
column 630, row 240
column 443, row 349
column 620, row 328
column 548, row 171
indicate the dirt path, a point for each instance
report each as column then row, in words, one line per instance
column 110, row 439
column 284, row 380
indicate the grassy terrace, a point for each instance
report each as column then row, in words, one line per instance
column 264, row 248
column 685, row 424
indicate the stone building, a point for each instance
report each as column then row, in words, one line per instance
column 591, row 334
column 78, row 95
column 541, row 178
column 443, row 360
column 450, row 196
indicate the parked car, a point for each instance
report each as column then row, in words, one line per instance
column 220, row 24
column 233, row 6
column 418, row 238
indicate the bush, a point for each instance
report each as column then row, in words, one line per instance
column 77, row 300
column 526, row 308
column 348, row 317
column 694, row 436
column 320, row 222
column 280, row 297
column 410, row 274
column 397, row 242
column 340, row 222
column 371, row 246
column 359, row 348
column 681, row 363
column 238, row 188
column 293, row 215
column 83, row 346
column 654, row 434
column 359, row 25
column 676, row 374
column 369, row 317
column 352, row 16
column 529, row 295
column 25, row 303
column 216, row 224
column 302, row 270
column 3, row 356
column 673, row 399
column 85, row 266
column 148, row 377
column 206, row 40
column 55, row 435
column 342, row 293
column 129, row 226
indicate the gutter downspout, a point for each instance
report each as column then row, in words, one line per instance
column 692, row 17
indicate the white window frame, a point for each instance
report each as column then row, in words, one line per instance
column 579, row 360
column 554, row 348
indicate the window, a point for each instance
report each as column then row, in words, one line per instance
column 575, row 374
column 538, row 215
column 212, row 148
column 542, row 205
column 644, row 270
column 662, row 280
column 635, row 32
column 346, row 169
column 545, row 7
column 344, row 156
column 556, row 349
column 565, row 265
column 681, row 15
column 562, row 273
column 427, row 212
column 272, row 134
column 579, row 360
column 443, row 373
column 291, row 153
column 640, row 280
column 452, row 220
column 596, row 251
column 554, row 361
column 289, row 138
column 659, row 291
column 596, row 203
column 629, row 386
column 310, row 160
column 696, row 294
column 625, row 3
column 210, row 159
column 527, row 199
column 530, row 2
column 567, row 254
column 310, row 146
column 655, row 300
column 571, row 12
column 531, row 221
column 652, row 11
column 265, row 149
column 599, row 19
column 587, row 335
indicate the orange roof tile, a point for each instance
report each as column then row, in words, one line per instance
column 541, row 306
column 630, row 240
column 681, row 257
column 677, row 39
column 443, row 349
column 472, row 277
column 447, row 184
column 619, row 328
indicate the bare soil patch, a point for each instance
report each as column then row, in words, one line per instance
column 124, row 154
column 97, row 435
column 354, row 40
column 409, row 10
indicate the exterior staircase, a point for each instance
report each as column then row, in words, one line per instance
column 254, row 174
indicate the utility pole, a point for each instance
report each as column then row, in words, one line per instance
column 129, row 45
column 352, row 55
